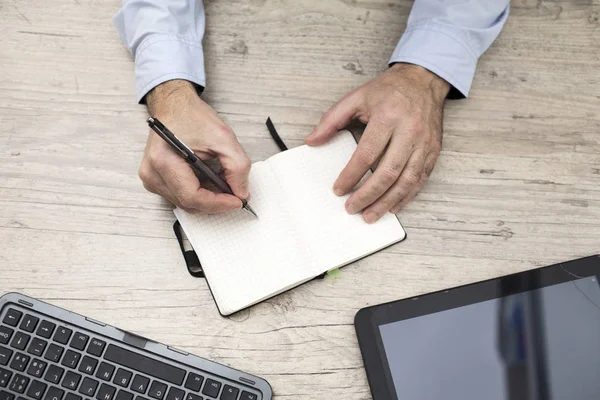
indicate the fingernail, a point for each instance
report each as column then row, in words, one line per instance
column 370, row 217
column 351, row 208
column 338, row 191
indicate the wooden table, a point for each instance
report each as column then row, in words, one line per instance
column 517, row 185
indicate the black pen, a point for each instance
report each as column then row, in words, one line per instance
column 195, row 162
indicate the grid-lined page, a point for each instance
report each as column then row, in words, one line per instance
column 336, row 238
column 245, row 259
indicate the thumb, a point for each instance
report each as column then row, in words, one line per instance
column 335, row 119
column 236, row 166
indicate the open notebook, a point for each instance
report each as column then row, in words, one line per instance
column 302, row 231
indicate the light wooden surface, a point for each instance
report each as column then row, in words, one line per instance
column 516, row 186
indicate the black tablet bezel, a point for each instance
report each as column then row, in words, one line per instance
column 368, row 320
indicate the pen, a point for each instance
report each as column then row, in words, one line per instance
column 195, row 162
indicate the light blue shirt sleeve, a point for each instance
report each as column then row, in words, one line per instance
column 165, row 39
column 447, row 37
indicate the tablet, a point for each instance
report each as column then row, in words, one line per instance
column 528, row 336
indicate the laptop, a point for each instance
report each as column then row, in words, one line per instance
column 48, row 353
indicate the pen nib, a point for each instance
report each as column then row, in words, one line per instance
column 249, row 209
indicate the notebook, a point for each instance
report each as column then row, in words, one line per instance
column 302, row 231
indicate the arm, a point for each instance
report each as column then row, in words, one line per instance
column 165, row 39
column 448, row 38
column 403, row 106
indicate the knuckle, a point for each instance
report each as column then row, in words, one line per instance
column 156, row 159
column 144, row 174
column 435, row 148
column 224, row 130
column 366, row 156
column 414, row 127
column 389, row 111
column 186, row 201
column 410, row 178
column 389, row 175
column 243, row 165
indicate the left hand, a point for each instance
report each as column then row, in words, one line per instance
column 403, row 111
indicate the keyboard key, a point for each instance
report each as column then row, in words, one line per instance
column 54, row 374
column 37, row 368
column 194, row 382
column 88, row 365
column 71, row 359
column 5, row 376
column 140, row 398
column 62, row 335
column 211, row 388
column 5, row 355
column 19, row 383
column 53, row 353
column 105, row 371
column 96, row 347
column 229, row 393
column 175, row 394
column 12, row 317
column 20, row 362
column 36, row 390
column 71, row 380
column 122, row 377
column 79, row 341
column 20, row 341
column 72, row 396
column 54, row 393
column 29, row 323
column 45, row 329
column 5, row 334
column 140, row 384
column 146, row 365
column 88, row 387
column 157, row 390
column 37, row 347
column 6, row 396
column 124, row 395
column 248, row 396
column 192, row 396
column 106, row 392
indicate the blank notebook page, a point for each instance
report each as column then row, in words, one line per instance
column 336, row 238
column 302, row 231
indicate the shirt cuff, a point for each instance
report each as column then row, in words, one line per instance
column 161, row 58
column 442, row 51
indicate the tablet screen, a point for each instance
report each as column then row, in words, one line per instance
column 535, row 345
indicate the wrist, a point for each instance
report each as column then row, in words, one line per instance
column 169, row 96
column 438, row 86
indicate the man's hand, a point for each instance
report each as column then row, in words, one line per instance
column 403, row 111
column 164, row 172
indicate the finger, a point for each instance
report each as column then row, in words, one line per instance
column 335, row 119
column 183, row 183
column 236, row 165
column 406, row 183
column 427, row 169
column 410, row 196
column 370, row 147
column 387, row 173
column 155, row 184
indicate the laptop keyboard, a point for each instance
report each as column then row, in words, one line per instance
column 44, row 360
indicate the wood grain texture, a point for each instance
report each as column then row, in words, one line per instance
column 516, row 186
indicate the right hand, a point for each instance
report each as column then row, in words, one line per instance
column 177, row 105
